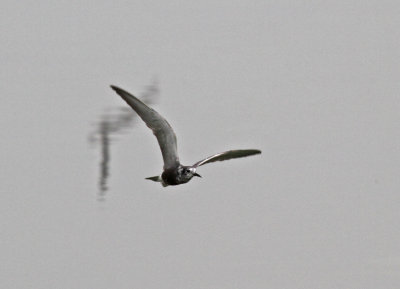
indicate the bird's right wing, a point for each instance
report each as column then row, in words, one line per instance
column 227, row 156
column 161, row 128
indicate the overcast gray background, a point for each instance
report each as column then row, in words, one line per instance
column 313, row 84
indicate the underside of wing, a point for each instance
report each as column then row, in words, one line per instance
column 227, row 156
column 161, row 128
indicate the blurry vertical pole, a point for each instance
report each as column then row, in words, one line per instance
column 116, row 121
column 105, row 154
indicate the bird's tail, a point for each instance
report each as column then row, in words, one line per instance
column 154, row 179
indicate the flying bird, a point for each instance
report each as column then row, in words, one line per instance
column 174, row 172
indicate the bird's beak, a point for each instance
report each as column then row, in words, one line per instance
column 197, row 175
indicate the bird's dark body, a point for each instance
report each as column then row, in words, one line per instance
column 169, row 176
column 178, row 175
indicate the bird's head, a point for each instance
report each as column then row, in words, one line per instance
column 188, row 172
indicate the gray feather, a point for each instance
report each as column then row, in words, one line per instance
column 161, row 128
column 232, row 154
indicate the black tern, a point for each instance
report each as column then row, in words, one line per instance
column 174, row 172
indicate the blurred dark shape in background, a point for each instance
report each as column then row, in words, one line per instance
column 113, row 122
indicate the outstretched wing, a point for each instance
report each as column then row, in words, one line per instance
column 233, row 154
column 161, row 129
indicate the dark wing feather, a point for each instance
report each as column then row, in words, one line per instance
column 161, row 128
column 227, row 156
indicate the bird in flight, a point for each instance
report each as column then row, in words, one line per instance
column 174, row 172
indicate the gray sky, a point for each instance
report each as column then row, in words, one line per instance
column 313, row 84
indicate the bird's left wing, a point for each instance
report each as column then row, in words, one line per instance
column 227, row 156
column 161, row 128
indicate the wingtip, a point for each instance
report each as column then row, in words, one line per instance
column 255, row 151
column 118, row 90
